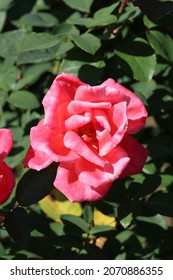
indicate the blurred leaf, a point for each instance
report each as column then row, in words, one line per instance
column 148, row 23
column 87, row 42
column 54, row 208
column 40, row 19
column 88, row 214
column 3, row 97
column 83, row 6
column 101, row 219
column 94, row 22
column 9, row 43
column 167, row 180
column 37, row 41
column 105, row 11
column 139, row 57
column 23, row 99
column 5, row 4
column 31, row 75
column 18, row 226
column 101, row 230
column 66, row 28
column 8, row 78
column 35, row 185
column 161, row 203
column 126, row 221
column 2, row 19
column 34, row 57
column 162, row 44
column 75, row 222
column 57, row 228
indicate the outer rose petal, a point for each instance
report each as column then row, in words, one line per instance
column 36, row 160
column 5, row 142
column 62, row 90
column 67, row 182
column 136, row 111
column 96, row 176
column 137, row 154
column 7, row 181
column 46, row 140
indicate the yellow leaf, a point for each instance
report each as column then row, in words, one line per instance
column 56, row 205
column 103, row 220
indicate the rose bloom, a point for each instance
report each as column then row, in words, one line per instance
column 7, row 179
column 87, row 129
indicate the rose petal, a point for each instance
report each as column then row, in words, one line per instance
column 78, row 107
column 137, row 154
column 118, row 122
column 62, row 91
column 135, row 110
column 36, row 160
column 77, row 121
column 75, row 143
column 67, row 182
column 101, row 93
column 5, row 142
column 100, row 117
column 46, row 140
column 95, row 176
column 7, row 182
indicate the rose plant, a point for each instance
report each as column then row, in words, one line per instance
column 7, row 179
column 87, row 130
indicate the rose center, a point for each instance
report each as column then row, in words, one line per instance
column 87, row 133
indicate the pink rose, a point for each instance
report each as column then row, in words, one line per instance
column 87, row 130
column 7, row 179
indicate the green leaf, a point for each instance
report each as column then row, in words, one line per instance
column 37, row 19
column 37, row 56
column 9, row 42
column 161, row 203
column 8, row 78
column 161, row 43
column 35, row 185
column 23, row 99
column 137, row 58
column 5, row 4
column 87, row 42
column 83, row 6
column 75, row 222
column 88, row 214
column 102, row 21
column 103, row 12
column 2, row 19
column 94, row 22
column 32, row 74
column 3, row 98
column 101, row 230
column 126, row 221
column 18, row 226
column 37, row 41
